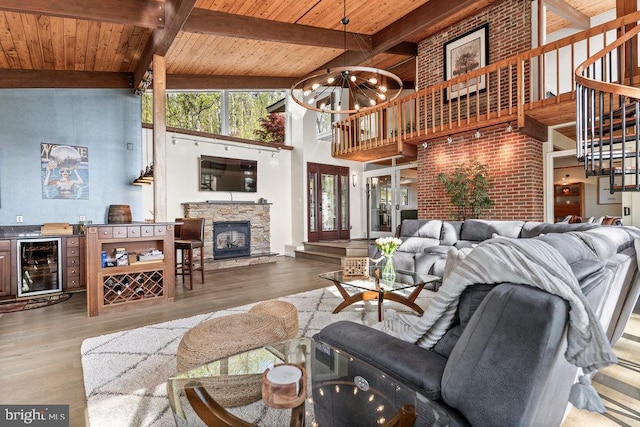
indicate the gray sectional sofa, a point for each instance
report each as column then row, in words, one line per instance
column 502, row 362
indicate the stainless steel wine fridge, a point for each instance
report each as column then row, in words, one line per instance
column 39, row 267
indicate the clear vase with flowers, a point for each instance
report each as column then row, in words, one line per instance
column 387, row 246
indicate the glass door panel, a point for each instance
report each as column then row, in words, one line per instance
column 313, row 202
column 329, row 202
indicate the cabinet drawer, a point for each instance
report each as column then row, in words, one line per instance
column 73, row 282
column 119, row 232
column 72, row 252
column 105, row 233
column 73, row 261
column 160, row 230
column 146, row 230
column 73, row 270
column 73, row 242
column 133, row 231
column 5, row 245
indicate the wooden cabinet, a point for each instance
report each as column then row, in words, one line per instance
column 568, row 199
column 73, row 277
column 128, row 286
column 5, row 268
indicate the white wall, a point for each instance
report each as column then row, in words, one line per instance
column 274, row 180
column 308, row 148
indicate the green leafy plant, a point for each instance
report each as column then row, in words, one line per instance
column 468, row 187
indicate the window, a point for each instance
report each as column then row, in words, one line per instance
column 205, row 112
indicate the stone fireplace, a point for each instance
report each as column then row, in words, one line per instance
column 231, row 239
column 256, row 215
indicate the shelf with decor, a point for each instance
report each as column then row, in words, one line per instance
column 568, row 199
column 116, row 279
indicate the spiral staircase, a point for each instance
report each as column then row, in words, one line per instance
column 607, row 107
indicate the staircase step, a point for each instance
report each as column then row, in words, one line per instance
column 319, row 256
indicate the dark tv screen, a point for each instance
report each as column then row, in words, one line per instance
column 225, row 174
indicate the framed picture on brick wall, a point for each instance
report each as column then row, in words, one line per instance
column 464, row 54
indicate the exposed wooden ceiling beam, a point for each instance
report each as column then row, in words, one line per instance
column 23, row 79
column 140, row 13
column 176, row 14
column 200, row 82
column 577, row 19
column 428, row 19
column 210, row 22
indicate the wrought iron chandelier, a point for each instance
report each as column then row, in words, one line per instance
column 346, row 89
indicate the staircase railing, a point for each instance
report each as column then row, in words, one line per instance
column 607, row 113
column 502, row 92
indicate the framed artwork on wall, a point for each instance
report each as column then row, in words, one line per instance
column 464, row 54
column 604, row 196
column 64, row 171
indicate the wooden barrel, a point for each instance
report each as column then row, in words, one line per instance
column 119, row 214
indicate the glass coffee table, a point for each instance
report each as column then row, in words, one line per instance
column 370, row 288
column 339, row 390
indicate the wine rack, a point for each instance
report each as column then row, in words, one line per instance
column 122, row 288
column 139, row 283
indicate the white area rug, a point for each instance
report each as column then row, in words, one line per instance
column 125, row 372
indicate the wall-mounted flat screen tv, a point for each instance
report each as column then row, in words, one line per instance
column 225, row 174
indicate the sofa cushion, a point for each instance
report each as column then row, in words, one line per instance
column 479, row 230
column 520, row 321
column 407, row 362
column 417, row 244
column 533, row 229
column 421, row 228
column 570, row 246
column 450, row 232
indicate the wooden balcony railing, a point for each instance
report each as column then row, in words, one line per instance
column 502, row 92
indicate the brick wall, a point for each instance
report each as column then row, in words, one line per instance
column 514, row 160
column 514, row 164
column 509, row 34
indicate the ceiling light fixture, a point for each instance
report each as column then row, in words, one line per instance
column 346, row 89
column 424, row 144
column 449, row 139
column 477, row 134
column 509, row 128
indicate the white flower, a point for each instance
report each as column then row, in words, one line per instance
column 388, row 245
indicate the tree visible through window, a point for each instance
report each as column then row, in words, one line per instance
column 202, row 111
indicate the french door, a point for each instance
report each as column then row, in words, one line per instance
column 391, row 196
column 328, row 202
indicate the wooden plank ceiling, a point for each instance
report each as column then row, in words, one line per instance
column 215, row 44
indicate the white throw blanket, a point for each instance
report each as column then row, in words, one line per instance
column 522, row 261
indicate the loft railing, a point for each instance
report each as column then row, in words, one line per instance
column 607, row 119
column 502, row 92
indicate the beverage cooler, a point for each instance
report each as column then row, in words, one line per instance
column 39, row 267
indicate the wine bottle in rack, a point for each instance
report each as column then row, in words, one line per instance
column 140, row 291
column 118, row 289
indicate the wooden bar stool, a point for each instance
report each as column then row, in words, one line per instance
column 189, row 236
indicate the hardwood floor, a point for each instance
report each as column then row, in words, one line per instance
column 40, row 349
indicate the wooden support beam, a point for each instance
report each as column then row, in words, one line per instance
column 210, row 22
column 139, row 13
column 23, row 79
column 177, row 12
column 535, row 129
column 426, row 20
column 577, row 19
column 159, row 138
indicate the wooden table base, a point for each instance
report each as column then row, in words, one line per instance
column 380, row 296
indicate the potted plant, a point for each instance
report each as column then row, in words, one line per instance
column 468, row 187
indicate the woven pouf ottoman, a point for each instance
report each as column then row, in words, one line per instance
column 225, row 336
column 286, row 311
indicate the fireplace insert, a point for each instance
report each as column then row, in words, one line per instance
column 231, row 239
